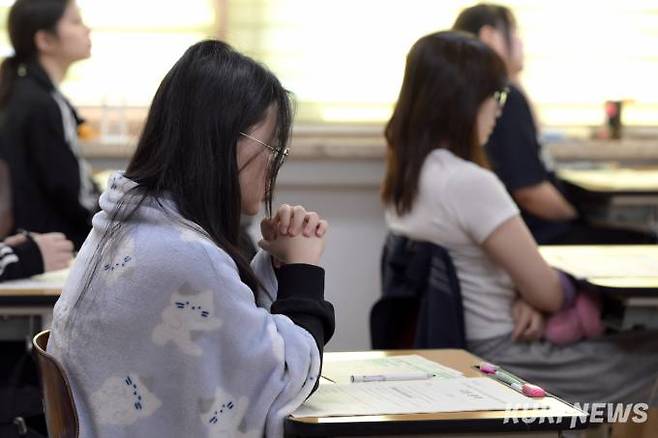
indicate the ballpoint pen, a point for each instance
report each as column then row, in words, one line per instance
column 391, row 377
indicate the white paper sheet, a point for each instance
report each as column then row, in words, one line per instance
column 426, row 396
column 339, row 371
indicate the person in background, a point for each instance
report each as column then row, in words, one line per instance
column 27, row 254
column 515, row 153
column 194, row 340
column 51, row 185
column 437, row 189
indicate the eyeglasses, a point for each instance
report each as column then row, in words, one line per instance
column 277, row 151
column 500, row 96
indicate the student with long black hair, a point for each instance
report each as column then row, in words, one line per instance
column 163, row 326
column 438, row 189
column 51, row 185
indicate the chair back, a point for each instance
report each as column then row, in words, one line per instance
column 61, row 416
column 393, row 323
column 421, row 305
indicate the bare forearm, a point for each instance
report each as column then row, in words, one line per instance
column 545, row 201
column 512, row 247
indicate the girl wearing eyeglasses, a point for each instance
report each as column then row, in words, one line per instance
column 438, row 189
column 163, row 326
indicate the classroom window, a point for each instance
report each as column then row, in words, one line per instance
column 344, row 59
column 135, row 43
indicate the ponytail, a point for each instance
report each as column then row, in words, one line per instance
column 9, row 71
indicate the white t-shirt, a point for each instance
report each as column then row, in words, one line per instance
column 459, row 204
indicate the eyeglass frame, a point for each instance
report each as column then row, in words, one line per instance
column 284, row 151
column 500, row 96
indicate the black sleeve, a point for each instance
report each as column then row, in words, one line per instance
column 21, row 261
column 513, row 149
column 301, row 298
column 56, row 165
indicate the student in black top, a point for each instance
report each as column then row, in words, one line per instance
column 51, row 185
column 27, row 254
column 515, row 153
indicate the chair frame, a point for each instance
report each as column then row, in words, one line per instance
column 61, row 415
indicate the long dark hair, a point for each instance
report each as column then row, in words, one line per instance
column 26, row 18
column 447, row 77
column 187, row 151
column 486, row 14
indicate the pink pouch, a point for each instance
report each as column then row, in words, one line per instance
column 582, row 320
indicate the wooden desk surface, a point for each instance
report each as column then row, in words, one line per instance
column 623, row 267
column 40, row 289
column 613, row 180
column 559, row 412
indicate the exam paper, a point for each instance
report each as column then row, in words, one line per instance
column 339, row 371
column 414, row 397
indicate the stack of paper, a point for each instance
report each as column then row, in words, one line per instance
column 419, row 396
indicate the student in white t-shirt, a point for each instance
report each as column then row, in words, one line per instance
column 438, row 189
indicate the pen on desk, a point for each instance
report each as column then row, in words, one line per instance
column 524, row 388
column 391, row 377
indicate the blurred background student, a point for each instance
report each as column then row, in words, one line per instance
column 51, row 185
column 514, row 150
column 437, row 189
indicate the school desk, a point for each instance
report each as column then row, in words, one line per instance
column 620, row 182
column 624, row 270
column 545, row 422
column 33, row 296
column 626, row 273
column 624, row 197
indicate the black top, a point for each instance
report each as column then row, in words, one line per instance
column 45, row 173
column 20, row 261
column 301, row 298
column 515, row 155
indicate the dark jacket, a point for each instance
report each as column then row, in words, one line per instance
column 420, row 277
column 45, row 171
column 20, row 261
column 516, row 157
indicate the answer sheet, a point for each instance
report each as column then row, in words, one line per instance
column 414, row 397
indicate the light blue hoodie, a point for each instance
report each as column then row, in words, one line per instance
column 169, row 342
